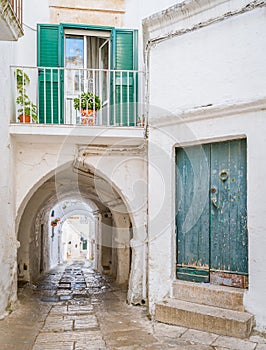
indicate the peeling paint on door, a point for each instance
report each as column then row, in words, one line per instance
column 211, row 179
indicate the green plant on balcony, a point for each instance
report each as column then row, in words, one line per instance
column 27, row 109
column 87, row 103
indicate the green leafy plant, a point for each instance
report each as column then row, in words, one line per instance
column 87, row 101
column 27, row 108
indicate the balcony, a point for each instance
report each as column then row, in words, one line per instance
column 11, row 20
column 85, row 97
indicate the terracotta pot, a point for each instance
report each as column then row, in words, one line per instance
column 24, row 118
column 88, row 117
column 87, row 112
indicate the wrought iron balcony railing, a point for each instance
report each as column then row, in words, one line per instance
column 78, row 96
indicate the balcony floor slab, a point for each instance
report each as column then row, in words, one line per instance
column 96, row 135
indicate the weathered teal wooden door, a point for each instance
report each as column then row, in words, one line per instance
column 211, row 217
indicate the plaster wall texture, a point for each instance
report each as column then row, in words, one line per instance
column 218, row 64
column 54, row 237
column 221, row 67
column 102, row 5
column 68, row 230
column 121, row 242
column 106, row 242
column 72, row 231
column 87, row 12
column 34, row 165
column 136, row 11
column 8, row 242
column 34, row 12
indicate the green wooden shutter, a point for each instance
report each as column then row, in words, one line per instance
column 124, row 86
column 50, row 80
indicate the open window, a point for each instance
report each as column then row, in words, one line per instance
column 73, row 59
column 87, row 62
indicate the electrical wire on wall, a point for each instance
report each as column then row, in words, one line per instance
column 29, row 27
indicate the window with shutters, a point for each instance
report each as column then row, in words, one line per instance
column 79, row 58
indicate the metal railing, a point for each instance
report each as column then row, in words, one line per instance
column 17, row 8
column 78, row 96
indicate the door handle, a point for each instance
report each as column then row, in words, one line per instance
column 214, row 198
column 214, row 202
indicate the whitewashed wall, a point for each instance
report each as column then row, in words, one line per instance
column 72, row 230
column 8, row 243
column 12, row 53
column 205, row 86
column 34, row 12
column 136, row 11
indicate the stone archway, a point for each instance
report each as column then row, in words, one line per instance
column 70, row 182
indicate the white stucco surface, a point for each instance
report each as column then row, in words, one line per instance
column 214, row 65
column 206, row 85
column 8, row 243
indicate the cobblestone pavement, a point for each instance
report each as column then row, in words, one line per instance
column 74, row 308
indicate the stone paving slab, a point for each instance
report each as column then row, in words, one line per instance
column 258, row 339
column 167, row 330
column 121, row 339
column 53, row 346
column 199, row 336
column 58, row 310
column 122, row 324
column 63, row 292
column 86, row 323
column 80, row 308
column 261, row 347
column 57, row 326
column 16, row 346
column 99, row 345
column 65, row 297
column 69, row 336
column 234, row 343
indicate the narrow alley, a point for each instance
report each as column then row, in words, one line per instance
column 75, row 308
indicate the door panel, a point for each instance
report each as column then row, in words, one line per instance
column 220, row 213
column 228, row 219
column 211, row 215
column 193, row 219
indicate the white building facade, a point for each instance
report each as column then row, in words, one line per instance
column 194, row 83
column 206, row 96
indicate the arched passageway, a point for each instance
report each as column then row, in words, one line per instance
column 101, row 233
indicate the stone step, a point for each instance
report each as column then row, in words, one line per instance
column 205, row 318
column 209, row 294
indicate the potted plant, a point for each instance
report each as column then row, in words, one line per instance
column 27, row 110
column 87, row 103
column 54, row 222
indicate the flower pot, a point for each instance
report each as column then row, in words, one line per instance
column 24, row 118
column 88, row 117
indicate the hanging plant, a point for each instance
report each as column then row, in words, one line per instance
column 54, row 222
